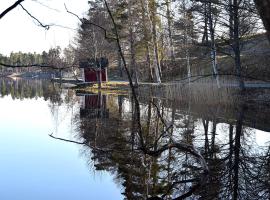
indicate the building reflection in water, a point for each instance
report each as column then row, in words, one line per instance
column 225, row 135
column 226, row 144
column 93, row 106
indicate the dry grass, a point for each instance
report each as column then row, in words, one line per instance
column 111, row 87
column 204, row 91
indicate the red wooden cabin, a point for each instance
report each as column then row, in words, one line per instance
column 92, row 75
column 93, row 69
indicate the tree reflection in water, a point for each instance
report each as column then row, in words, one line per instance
column 238, row 168
column 188, row 152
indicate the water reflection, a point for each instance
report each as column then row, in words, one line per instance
column 228, row 145
column 35, row 166
column 29, row 89
column 184, row 151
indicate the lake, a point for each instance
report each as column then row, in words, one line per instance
column 59, row 144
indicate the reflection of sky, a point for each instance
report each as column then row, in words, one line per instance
column 35, row 166
column 256, row 139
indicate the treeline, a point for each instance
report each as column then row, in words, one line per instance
column 53, row 58
column 162, row 37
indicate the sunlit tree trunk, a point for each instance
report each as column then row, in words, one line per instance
column 169, row 21
column 213, row 43
column 152, row 10
column 186, row 40
column 132, row 43
column 147, row 40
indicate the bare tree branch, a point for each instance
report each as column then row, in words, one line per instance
column 47, row 27
column 10, row 8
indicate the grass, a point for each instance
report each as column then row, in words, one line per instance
column 111, row 87
column 204, row 91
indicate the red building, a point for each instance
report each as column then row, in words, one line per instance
column 92, row 75
column 93, row 69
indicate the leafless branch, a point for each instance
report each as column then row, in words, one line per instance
column 47, row 27
column 10, row 8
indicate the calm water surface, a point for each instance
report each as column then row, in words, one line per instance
column 95, row 152
column 36, row 166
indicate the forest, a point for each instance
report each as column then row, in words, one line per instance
column 160, row 41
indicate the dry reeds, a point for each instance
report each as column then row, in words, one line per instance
column 202, row 91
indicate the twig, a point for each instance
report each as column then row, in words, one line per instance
column 47, row 27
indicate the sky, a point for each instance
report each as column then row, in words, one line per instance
column 19, row 32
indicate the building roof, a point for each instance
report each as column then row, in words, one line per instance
column 94, row 63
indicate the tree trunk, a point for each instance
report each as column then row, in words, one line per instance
column 147, row 40
column 213, row 43
column 119, row 61
column 205, row 32
column 231, row 20
column 263, row 7
column 169, row 20
column 186, row 41
column 153, row 11
column 132, row 44
column 236, row 45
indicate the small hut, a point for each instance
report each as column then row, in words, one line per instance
column 94, row 70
